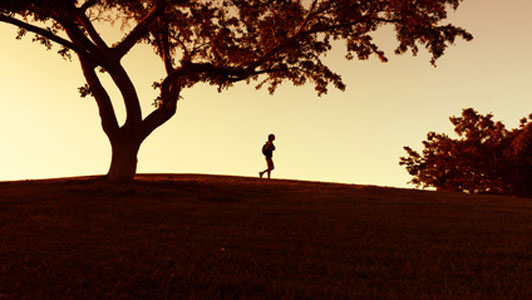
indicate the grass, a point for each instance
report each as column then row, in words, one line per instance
column 215, row 237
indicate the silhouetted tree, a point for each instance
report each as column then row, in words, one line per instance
column 485, row 158
column 220, row 42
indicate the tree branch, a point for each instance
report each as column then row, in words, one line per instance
column 171, row 89
column 119, row 76
column 129, row 94
column 78, row 38
column 45, row 33
column 295, row 38
column 115, row 70
column 87, row 5
column 346, row 25
column 164, row 47
column 107, row 114
column 140, row 30
column 87, row 24
column 307, row 17
column 170, row 95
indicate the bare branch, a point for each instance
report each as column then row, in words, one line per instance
column 166, row 57
column 87, row 5
column 87, row 24
column 171, row 88
column 138, row 32
column 307, row 17
column 78, row 38
column 115, row 70
column 45, row 33
column 164, row 47
column 107, row 114
column 168, row 107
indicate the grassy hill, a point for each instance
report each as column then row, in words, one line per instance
column 216, row 237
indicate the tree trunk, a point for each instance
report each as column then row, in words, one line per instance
column 124, row 157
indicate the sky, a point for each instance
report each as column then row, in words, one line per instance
column 355, row 136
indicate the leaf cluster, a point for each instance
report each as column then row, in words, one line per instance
column 224, row 41
column 485, row 158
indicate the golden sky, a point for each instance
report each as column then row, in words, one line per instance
column 355, row 136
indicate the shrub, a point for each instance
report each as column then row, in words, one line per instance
column 485, row 158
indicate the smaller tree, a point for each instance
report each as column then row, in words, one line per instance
column 485, row 158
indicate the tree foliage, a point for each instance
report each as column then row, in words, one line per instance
column 485, row 158
column 221, row 42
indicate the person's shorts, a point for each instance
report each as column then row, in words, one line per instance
column 269, row 161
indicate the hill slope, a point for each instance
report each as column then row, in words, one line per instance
column 216, row 237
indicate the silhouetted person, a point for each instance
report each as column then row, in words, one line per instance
column 267, row 150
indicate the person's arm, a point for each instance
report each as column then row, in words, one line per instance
column 270, row 146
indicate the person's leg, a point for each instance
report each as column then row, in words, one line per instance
column 261, row 173
column 270, row 167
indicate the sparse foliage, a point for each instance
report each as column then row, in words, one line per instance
column 485, row 158
column 84, row 91
column 221, row 42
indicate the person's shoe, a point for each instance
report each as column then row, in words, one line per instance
column 260, row 174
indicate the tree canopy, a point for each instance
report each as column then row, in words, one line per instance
column 485, row 158
column 221, row 42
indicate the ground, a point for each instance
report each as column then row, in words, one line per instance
column 221, row 237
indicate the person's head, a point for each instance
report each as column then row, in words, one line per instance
column 271, row 137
